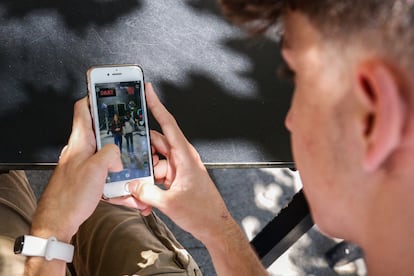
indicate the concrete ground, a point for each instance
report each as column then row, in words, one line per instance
column 254, row 197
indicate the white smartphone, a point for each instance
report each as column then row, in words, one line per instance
column 119, row 112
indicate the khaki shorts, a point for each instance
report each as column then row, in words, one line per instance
column 17, row 205
column 115, row 240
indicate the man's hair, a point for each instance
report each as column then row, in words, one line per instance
column 384, row 25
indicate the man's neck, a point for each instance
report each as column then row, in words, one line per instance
column 389, row 239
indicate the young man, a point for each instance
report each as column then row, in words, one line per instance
column 352, row 120
column 352, row 127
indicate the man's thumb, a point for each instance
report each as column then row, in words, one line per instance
column 147, row 193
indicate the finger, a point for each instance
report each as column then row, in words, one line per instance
column 160, row 143
column 160, row 171
column 155, row 159
column 129, row 201
column 108, row 157
column 166, row 121
column 82, row 139
column 147, row 193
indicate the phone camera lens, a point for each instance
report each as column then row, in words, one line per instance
column 107, row 74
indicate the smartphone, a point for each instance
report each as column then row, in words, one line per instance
column 119, row 112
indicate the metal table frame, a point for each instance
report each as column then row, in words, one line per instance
column 287, row 227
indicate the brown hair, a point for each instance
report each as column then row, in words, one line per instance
column 325, row 14
column 384, row 25
column 257, row 16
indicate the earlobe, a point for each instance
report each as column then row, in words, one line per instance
column 385, row 113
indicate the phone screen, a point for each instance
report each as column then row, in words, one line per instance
column 122, row 122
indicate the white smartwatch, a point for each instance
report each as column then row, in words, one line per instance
column 49, row 248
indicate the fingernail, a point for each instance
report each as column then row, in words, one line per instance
column 132, row 186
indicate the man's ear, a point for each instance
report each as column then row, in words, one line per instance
column 383, row 109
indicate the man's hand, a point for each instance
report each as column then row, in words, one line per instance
column 191, row 199
column 75, row 187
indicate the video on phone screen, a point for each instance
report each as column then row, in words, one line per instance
column 121, row 122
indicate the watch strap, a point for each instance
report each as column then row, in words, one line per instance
column 49, row 248
column 59, row 250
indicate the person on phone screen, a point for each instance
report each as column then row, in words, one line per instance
column 352, row 143
column 117, row 131
column 129, row 126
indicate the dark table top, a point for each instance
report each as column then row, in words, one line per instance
column 218, row 82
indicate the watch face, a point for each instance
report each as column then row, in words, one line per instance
column 18, row 245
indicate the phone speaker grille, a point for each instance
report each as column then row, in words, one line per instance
column 116, row 74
